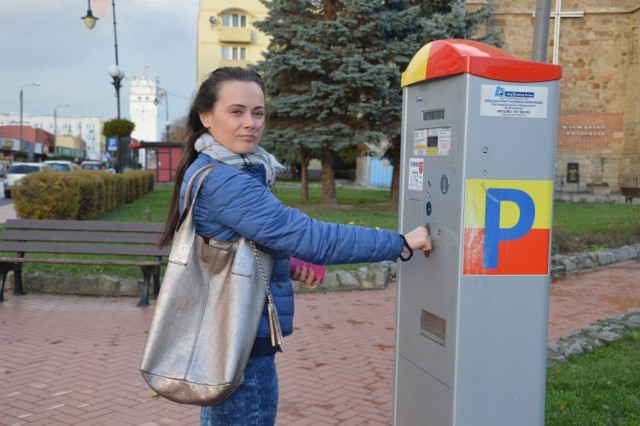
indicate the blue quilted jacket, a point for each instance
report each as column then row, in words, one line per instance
column 234, row 202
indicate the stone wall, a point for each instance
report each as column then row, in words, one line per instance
column 561, row 263
column 597, row 334
column 376, row 276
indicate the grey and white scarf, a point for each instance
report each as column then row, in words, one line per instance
column 206, row 144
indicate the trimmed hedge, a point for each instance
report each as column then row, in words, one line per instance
column 81, row 195
column 49, row 195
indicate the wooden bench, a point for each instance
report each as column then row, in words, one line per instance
column 135, row 241
column 629, row 193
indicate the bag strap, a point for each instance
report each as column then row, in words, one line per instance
column 186, row 206
column 185, row 233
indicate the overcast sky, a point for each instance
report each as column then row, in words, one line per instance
column 45, row 41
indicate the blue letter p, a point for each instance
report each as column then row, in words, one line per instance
column 493, row 234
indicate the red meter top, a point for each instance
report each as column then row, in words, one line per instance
column 450, row 57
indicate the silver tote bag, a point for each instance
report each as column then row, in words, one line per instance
column 207, row 314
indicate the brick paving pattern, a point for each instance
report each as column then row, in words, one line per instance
column 68, row 360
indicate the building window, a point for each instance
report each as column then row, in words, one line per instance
column 234, row 53
column 234, row 20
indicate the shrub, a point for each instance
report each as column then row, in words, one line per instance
column 82, row 195
column 92, row 195
column 47, row 196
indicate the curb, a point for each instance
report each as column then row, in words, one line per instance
column 566, row 263
column 597, row 334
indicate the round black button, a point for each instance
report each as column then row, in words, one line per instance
column 444, row 184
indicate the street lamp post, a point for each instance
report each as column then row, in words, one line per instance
column 55, row 124
column 115, row 71
column 30, row 149
column 162, row 93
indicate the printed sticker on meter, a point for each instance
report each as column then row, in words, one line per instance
column 507, row 227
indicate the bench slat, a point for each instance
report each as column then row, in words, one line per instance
column 84, row 225
column 82, row 261
column 72, row 248
column 630, row 191
column 80, row 236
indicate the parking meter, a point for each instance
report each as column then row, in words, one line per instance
column 479, row 131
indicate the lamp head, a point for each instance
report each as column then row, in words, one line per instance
column 27, row 85
column 116, row 72
column 89, row 20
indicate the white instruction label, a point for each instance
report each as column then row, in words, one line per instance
column 416, row 173
column 499, row 100
column 435, row 141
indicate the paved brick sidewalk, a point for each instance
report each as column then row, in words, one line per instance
column 74, row 360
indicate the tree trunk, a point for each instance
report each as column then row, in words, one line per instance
column 330, row 10
column 329, row 197
column 395, row 178
column 305, row 159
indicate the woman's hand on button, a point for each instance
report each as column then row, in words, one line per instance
column 419, row 239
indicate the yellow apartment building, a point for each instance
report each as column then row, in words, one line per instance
column 226, row 35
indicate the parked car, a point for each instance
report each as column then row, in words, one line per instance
column 91, row 165
column 17, row 171
column 62, row 165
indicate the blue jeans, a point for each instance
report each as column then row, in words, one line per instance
column 254, row 403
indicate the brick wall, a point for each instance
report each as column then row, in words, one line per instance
column 599, row 123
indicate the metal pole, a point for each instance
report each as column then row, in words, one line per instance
column 21, row 90
column 116, row 81
column 167, row 111
column 117, row 74
column 541, row 31
column 160, row 94
column 117, row 84
column 31, row 147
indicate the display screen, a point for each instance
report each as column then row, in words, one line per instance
column 434, row 114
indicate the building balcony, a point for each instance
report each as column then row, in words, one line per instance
column 235, row 35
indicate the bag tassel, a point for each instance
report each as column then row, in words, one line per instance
column 274, row 322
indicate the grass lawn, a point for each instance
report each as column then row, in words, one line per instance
column 600, row 388
column 582, row 226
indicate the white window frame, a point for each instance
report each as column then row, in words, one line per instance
column 234, row 20
column 234, row 53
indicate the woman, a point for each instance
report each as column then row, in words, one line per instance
column 225, row 124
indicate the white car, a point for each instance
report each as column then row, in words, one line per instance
column 91, row 165
column 17, row 171
column 62, row 165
